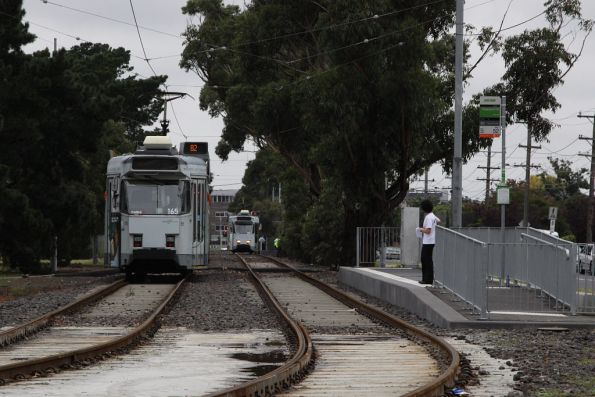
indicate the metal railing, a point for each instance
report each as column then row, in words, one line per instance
column 460, row 266
column 527, row 270
column 377, row 246
column 494, row 270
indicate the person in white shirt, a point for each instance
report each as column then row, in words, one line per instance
column 428, row 232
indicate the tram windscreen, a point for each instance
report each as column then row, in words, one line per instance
column 152, row 198
column 243, row 228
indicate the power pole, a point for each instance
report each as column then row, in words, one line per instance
column 488, row 169
column 426, row 183
column 591, row 180
column 457, row 164
column 528, row 167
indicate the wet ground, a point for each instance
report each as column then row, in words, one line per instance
column 177, row 362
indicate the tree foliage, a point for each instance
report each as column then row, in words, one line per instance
column 561, row 189
column 62, row 114
column 356, row 104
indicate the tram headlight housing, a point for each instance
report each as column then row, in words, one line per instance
column 248, row 241
column 137, row 240
column 170, row 241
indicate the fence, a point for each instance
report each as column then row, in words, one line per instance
column 460, row 266
column 377, row 246
column 495, row 270
column 524, row 270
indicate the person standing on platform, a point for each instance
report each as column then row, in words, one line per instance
column 428, row 232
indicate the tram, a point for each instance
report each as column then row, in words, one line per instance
column 243, row 231
column 156, row 210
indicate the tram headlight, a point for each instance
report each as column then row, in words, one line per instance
column 170, row 240
column 137, row 240
column 248, row 241
column 239, row 241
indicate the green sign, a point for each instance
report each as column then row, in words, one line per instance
column 489, row 117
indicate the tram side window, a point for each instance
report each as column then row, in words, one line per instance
column 200, row 209
column 123, row 201
column 194, row 190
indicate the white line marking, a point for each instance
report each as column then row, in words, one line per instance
column 529, row 314
column 396, row 278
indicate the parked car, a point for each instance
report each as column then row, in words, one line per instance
column 390, row 253
column 585, row 258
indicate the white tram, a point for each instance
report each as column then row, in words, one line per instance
column 156, row 213
column 243, row 230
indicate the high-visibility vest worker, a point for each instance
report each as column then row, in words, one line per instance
column 277, row 242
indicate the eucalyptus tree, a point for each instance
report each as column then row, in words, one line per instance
column 355, row 95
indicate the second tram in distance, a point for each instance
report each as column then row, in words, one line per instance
column 243, row 232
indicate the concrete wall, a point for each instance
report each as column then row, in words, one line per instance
column 410, row 244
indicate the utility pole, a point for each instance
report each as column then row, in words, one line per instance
column 528, row 167
column 457, row 164
column 488, row 169
column 591, row 180
column 426, row 183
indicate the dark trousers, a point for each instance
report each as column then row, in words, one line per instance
column 427, row 264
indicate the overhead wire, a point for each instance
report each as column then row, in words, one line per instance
column 153, row 70
column 110, row 19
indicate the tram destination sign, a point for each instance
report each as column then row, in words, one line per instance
column 196, row 148
column 489, row 117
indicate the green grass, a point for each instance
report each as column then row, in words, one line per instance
column 75, row 262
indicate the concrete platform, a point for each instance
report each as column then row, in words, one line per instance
column 400, row 287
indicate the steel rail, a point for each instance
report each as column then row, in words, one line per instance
column 286, row 374
column 435, row 388
column 52, row 363
column 30, row 327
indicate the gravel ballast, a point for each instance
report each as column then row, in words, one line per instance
column 220, row 300
column 50, row 293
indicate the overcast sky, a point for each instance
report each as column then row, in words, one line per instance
column 162, row 22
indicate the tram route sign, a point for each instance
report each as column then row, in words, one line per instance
column 195, row 148
column 489, row 116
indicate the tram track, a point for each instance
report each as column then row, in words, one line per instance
column 94, row 348
column 436, row 384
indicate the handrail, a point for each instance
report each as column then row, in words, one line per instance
column 462, row 235
column 565, row 250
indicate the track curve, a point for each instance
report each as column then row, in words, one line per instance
column 440, row 383
column 52, row 363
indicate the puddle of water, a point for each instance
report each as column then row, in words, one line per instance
column 260, row 370
column 177, row 362
column 497, row 382
column 273, row 356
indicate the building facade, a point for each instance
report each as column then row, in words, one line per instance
column 220, row 201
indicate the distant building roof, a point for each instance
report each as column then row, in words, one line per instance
column 224, row 192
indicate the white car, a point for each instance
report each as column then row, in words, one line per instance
column 390, row 253
column 585, row 258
